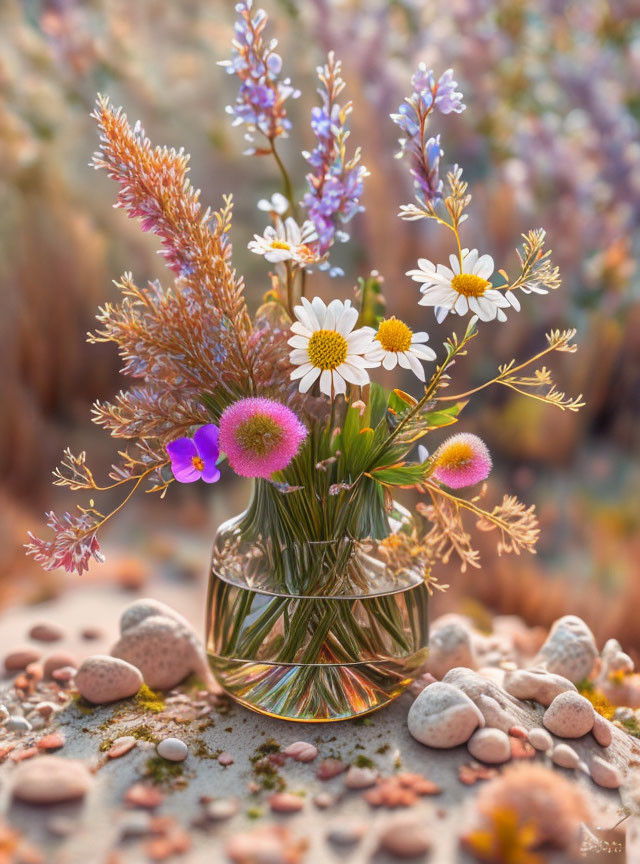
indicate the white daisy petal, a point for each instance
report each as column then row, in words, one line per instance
column 298, row 356
column 339, row 384
column 325, row 382
column 301, row 371
column 298, row 341
column 469, row 261
column 352, row 374
column 347, row 320
column 320, row 311
column 415, row 365
column 359, row 340
column 423, row 351
column 298, row 327
column 309, row 379
column 461, row 306
column 421, row 336
column 390, row 360
column 403, row 360
column 484, row 266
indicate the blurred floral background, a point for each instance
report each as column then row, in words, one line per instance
column 549, row 139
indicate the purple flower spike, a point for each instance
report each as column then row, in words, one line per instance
column 412, row 117
column 195, row 458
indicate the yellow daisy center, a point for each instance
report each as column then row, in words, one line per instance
column 327, row 349
column 259, row 434
column 197, row 463
column 280, row 244
column 469, row 284
column 394, row 335
column 455, row 455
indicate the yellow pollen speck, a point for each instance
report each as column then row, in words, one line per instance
column 259, row 434
column 197, row 463
column 455, row 455
column 280, row 244
column 469, row 284
column 327, row 349
column 394, row 335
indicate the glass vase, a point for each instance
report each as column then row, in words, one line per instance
column 315, row 630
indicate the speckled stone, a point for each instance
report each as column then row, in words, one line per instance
column 570, row 715
column 160, row 643
column 450, row 646
column 443, row 716
column 101, row 679
column 570, row 649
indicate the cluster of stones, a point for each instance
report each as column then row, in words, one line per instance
column 157, row 646
column 486, row 711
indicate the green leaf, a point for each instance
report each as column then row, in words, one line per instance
column 422, row 421
column 401, row 474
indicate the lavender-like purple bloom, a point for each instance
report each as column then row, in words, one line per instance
column 195, row 458
column 335, row 183
column 424, row 151
column 259, row 104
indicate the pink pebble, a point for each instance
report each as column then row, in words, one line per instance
column 519, row 732
column 285, row 802
column 329, row 768
column 66, row 673
column 225, row 759
column 302, row 751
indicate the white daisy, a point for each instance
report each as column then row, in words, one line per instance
column 286, row 241
column 463, row 289
column 395, row 343
column 326, row 346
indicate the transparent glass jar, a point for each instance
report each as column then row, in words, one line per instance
column 318, row 630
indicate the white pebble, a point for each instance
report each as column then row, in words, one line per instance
column 4, row 714
column 570, row 715
column 490, row 745
column 604, row 773
column 221, row 808
column 540, row 739
column 442, row 716
column 18, row 724
column 565, row 756
column 173, row 749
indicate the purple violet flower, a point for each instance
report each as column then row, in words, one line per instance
column 195, row 458
column 335, row 183
column 424, row 152
column 259, row 104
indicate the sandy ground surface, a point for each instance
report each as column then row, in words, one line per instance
column 95, row 825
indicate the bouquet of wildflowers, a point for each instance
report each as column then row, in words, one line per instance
column 286, row 395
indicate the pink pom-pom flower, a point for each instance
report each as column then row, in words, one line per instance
column 260, row 436
column 462, row 460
